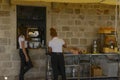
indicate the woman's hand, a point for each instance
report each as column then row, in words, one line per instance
column 27, row 59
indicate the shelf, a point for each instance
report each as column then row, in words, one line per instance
column 105, row 77
column 90, row 54
column 85, row 64
column 95, row 78
column 71, row 65
column 72, row 77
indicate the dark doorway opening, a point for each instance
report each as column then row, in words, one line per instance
column 33, row 20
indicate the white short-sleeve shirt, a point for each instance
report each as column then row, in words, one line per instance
column 22, row 38
column 56, row 44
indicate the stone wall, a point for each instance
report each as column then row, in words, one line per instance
column 76, row 23
column 9, row 57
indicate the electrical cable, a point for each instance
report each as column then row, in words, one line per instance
column 116, row 19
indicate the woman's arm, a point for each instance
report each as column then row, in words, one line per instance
column 49, row 49
column 24, row 50
column 65, row 45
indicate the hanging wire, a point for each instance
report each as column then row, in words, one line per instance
column 52, row 14
column 119, row 8
column 116, row 19
column 116, row 14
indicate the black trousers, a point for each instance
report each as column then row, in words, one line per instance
column 25, row 66
column 58, row 65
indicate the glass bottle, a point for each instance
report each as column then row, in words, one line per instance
column 94, row 46
column 73, row 71
column 49, row 71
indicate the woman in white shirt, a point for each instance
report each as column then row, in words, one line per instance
column 57, row 59
column 26, row 63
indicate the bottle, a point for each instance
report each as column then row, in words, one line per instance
column 42, row 45
column 112, row 46
column 94, row 46
column 49, row 75
column 73, row 72
column 49, row 72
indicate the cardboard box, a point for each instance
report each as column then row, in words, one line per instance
column 109, row 50
column 96, row 71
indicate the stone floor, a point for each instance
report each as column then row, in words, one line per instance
column 38, row 78
column 16, row 78
column 34, row 79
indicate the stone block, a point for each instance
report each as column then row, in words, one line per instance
column 36, row 63
column 34, row 70
column 67, row 41
column 5, row 27
column 65, row 28
column 6, row 64
column 5, row 57
column 6, row 7
column 82, row 17
column 89, row 34
column 83, row 41
column 15, row 56
column 82, row 28
column 77, row 11
column 69, row 34
column 6, row 1
column 3, row 41
column 42, row 57
column 35, row 57
column 6, row 21
column 91, row 23
column 106, row 12
column 71, row 22
column 109, row 23
column 75, row 41
column 96, row 6
column 69, row 10
column 62, row 34
column 91, row 12
column 88, row 6
column 4, row 13
column 64, row 16
column 8, row 34
column 13, row 71
column 43, row 64
column 78, row 34
column 2, row 49
column 112, row 17
column 16, row 65
column 0, row 2
column 78, row 22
